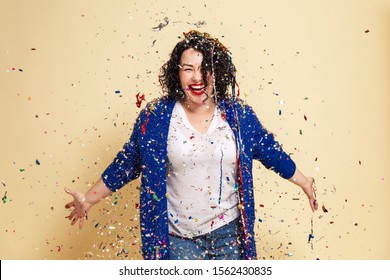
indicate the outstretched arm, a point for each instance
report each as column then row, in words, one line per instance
column 270, row 153
column 81, row 203
column 307, row 185
column 125, row 167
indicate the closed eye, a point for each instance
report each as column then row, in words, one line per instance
column 188, row 67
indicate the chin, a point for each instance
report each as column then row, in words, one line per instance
column 197, row 99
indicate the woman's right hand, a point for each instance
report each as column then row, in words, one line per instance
column 80, row 208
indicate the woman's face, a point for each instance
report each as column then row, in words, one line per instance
column 191, row 78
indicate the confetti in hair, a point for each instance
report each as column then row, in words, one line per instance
column 216, row 60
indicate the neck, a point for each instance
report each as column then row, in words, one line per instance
column 193, row 107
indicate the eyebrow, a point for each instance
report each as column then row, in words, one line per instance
column 188, row 65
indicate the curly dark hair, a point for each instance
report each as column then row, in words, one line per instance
column 216, row 59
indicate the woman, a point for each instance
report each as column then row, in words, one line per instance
column 194, row 147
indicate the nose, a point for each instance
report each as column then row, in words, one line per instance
column 197, row 75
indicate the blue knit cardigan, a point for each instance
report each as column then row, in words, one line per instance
column 146, row 153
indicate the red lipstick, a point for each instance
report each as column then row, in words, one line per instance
column 197, row 89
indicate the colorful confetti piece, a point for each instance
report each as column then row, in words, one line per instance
column 4, row 199
column 140, row 98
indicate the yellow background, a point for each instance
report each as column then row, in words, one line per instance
column 61, row 63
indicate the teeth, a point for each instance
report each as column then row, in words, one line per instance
column 197, row 87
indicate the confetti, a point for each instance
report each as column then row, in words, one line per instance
column 238, row 89
column 143, row 128
column 140, row 99
column 161, row 25
column 220, row 180
column 200, row 23
column 155, row 197
column 4, row 199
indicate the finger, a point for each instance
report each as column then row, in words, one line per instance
column 71, row 215
column 68, row 205
column 81, row 215
column 75, row 219
column 311, row 204
column 314, row 206
column 81, row 223
column 68, row 191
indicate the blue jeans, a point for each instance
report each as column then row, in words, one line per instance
column 220, row 244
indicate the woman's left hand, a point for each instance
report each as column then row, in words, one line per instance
column 309, row 189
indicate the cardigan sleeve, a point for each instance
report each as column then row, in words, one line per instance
column 268, row 151
column 126, row 166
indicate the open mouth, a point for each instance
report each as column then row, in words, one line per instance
column 197, row 89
